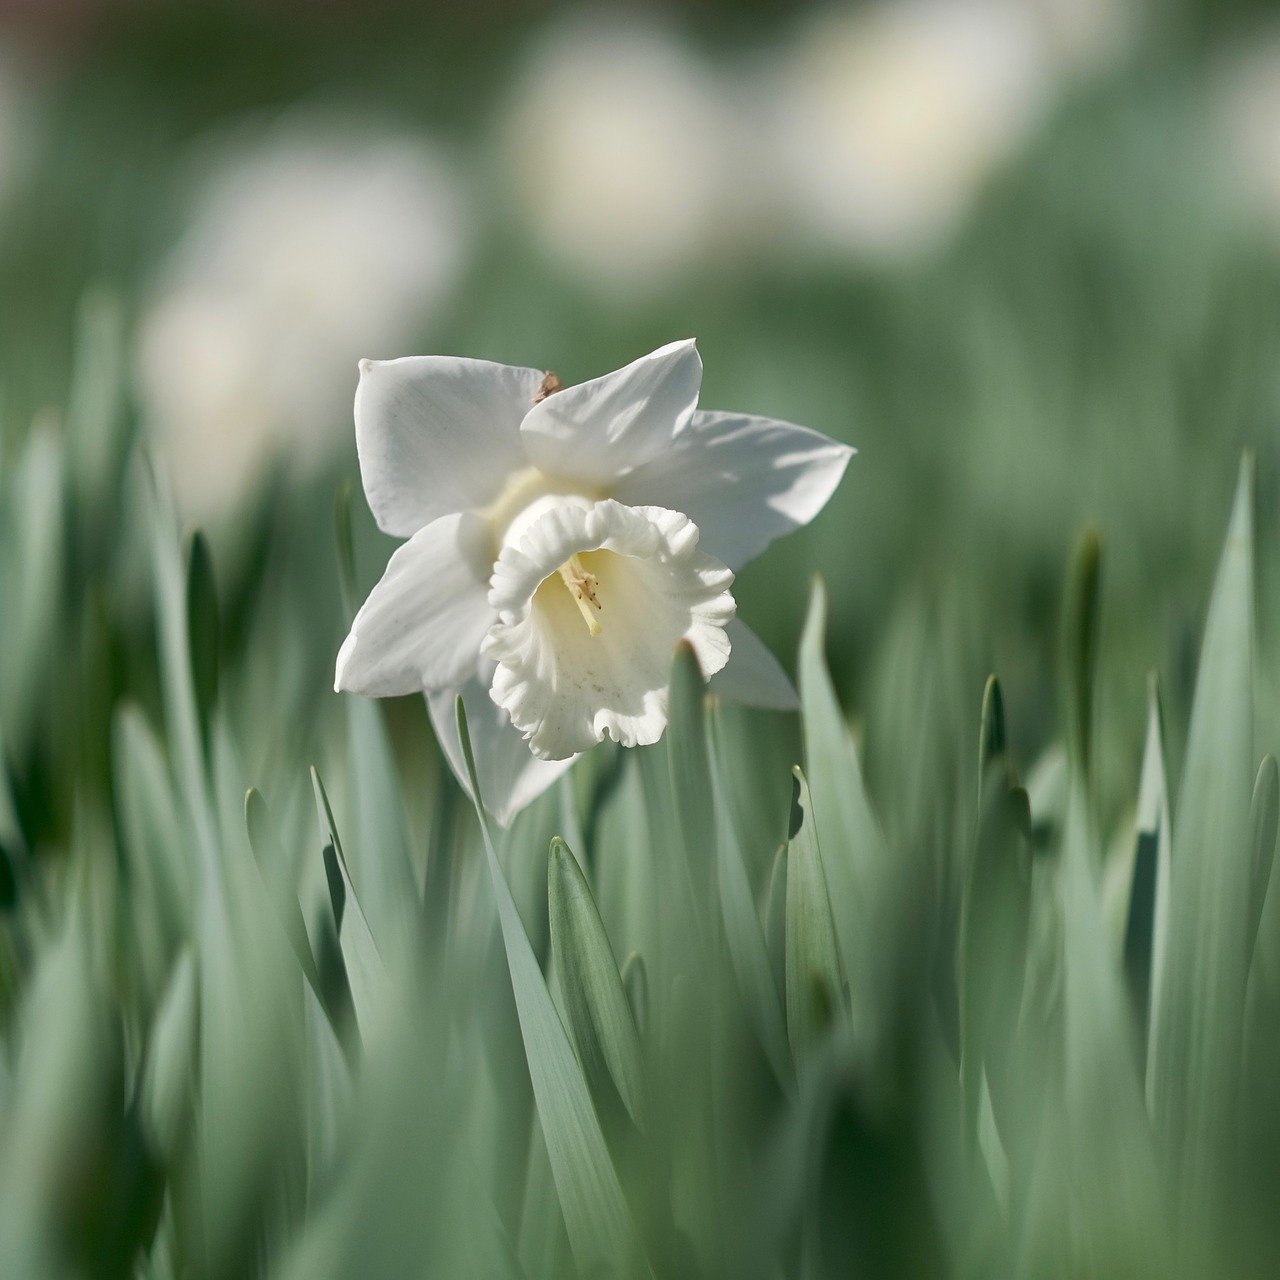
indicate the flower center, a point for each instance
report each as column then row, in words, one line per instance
column 566, row 688
column 583, row 585
column 529, row 494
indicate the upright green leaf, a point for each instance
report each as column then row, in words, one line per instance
column 775, row 919
column 744, row 935
column 635, row 982
column 328, row 1093
column 51, row 1154
column 168, row 1085
column 991, row 740
column 280, row 879
column 399, row 1201
column 815, row 979
column 544, row 1243
column 1264, row 819
column 366, row 971
column 1146, row 940
column 595, row 1001
column 178, row 686
column 380, row 864
column 995, row 918
column 676, row 946
column 855, row 858
column 1081, row 646
column 202, row 629
column 1264, row 973
column 601, row 1232
column 158, row 866
column 1196, row 1066
column 691, row 772
column 251, row 1041
column 1116, row 1195
column 570, row 819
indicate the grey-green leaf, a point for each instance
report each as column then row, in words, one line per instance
column 168, row 1091
column 280, row 879
column 1081, row 646
column 991, row 739
column 601, row 1232
column 744, row 934
column 691, row 772
column 1264, row 819
column 202, row 628
column 993, row 939
column 1197, row 1058
column 595, row 1000
column 815, row 980
column 1106, row 1122
column 635, row 982
column 1146, row 939
column 855, row 859
column 365, row 969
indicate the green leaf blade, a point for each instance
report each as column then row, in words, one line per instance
column 815, row 979
column 855, row 857
column 596, row 1002
column 745, row 938
column 601, row 1231
column 366, row 971
column 1198, row 1051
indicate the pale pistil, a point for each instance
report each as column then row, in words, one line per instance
column 582, row 587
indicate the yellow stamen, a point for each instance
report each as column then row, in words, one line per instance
column 582, row 587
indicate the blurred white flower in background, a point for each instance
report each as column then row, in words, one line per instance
column 1245, row 97
column 619, row 150
column 317, row 242
column 888, row 118
column 630, row 159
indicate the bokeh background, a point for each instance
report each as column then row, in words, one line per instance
column 1024, row 254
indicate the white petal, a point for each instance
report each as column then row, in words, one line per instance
column 438, row 434
column 510, row 778
column 567, row 688
column 753, row 675
column 743, row 480
column 422, row 625
column 597, row 431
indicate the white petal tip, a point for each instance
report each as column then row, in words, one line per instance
column 681, row 344
column 340, row 666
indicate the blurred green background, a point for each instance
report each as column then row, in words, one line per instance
column 1022, row 255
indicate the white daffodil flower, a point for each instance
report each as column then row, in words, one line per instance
column 561, row 542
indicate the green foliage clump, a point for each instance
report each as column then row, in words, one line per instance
column 702, row 1010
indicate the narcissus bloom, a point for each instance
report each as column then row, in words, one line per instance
column 561, row 542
